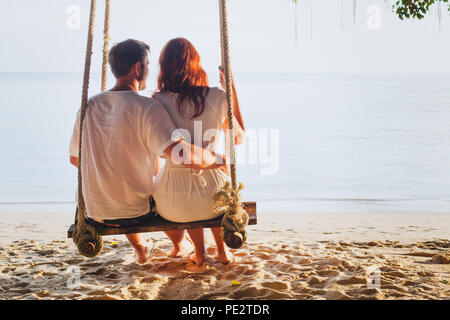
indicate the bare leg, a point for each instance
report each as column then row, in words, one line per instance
column 222, row 253
column 197, row 236
column 142, row 251
column 179, row 246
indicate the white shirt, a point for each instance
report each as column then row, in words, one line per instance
column 123, row 133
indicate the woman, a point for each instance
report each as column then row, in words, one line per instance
column 182, row 194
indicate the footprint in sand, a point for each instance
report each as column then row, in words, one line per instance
column 337, row 295
column 74, row 260
column 98, row 272
column 425, row 274
column 276, row 285
column 395, row 274
column 315, row 280
column 264, row 256
column 352, row 280
column 241, row 254
column 250, row 272
column 112, row 276
column 91, row 265
column 440, row 259
column 328, row 273
column 194, row 268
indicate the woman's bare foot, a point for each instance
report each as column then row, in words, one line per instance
column 183, row 248
column 224, row 256
column 199, row 260
column 143, row 254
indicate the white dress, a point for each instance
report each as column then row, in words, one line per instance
column 183, row 194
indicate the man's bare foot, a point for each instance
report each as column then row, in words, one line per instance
column 199, row 260
column 143, row 254
column 224, row 257
column 183, row 248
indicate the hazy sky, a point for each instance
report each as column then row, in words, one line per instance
column 36, row 35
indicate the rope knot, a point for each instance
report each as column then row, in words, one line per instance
column 88, row 241
column 227, row 202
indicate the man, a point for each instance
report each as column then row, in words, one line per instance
column 123, row 135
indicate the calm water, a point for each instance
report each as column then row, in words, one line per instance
column 348, row 143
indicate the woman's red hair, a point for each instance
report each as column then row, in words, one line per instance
column 182, row 73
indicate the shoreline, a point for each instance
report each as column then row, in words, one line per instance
column 16, row 226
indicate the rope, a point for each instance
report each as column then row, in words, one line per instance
column 227, row 199
column 86, row 238
column 226, row 64
column 106, row 39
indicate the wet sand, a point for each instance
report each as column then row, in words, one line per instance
column 288, row 256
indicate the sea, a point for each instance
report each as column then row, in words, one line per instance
column 317, row 143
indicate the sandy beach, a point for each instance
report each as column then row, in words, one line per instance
column 288, row 256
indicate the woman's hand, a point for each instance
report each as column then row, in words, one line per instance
column 236, row 106
column 222, row 78
column 157, row 166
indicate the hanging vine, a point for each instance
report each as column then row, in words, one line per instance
column 295, row 2
column 311, row 23
column 296, row 22
column 405, row 8
column 415, row 9
column 439, row 13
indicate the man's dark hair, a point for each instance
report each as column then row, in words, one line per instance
column 125, row 54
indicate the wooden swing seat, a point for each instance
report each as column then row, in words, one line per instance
column 159, row 224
